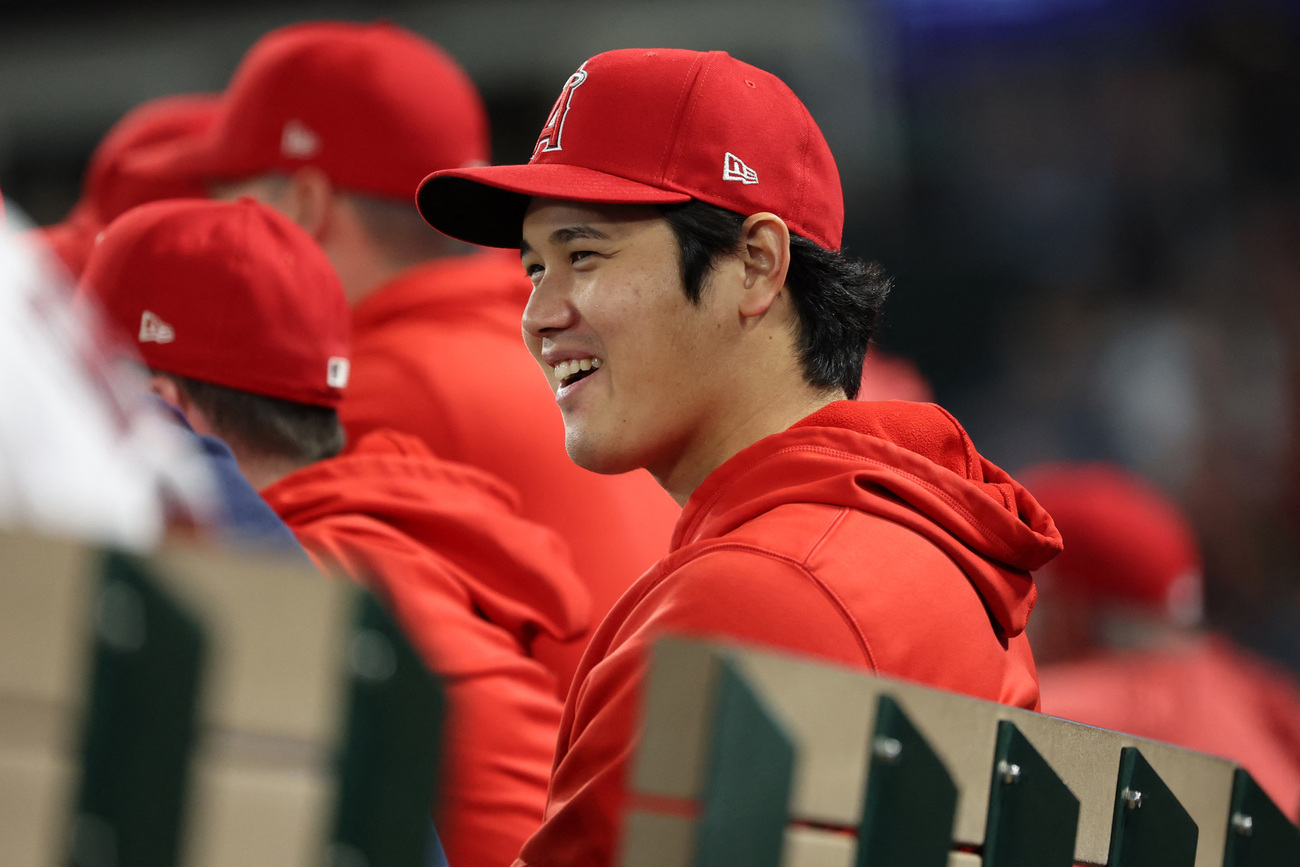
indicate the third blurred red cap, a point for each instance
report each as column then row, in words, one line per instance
column 1126, row 542
column 107, row 191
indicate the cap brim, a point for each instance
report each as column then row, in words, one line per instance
column 486, row 205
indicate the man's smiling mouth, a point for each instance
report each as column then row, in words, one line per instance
column 569, row 372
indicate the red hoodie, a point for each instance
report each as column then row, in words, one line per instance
column 438, row 353
column 870, row 534
column 472, row 584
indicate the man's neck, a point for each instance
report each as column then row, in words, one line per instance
column 262, row 472
column 761, row 420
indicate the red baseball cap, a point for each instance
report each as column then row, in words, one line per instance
column 107, row 191
column 230, row 293
column 657, row 126
column 1125, row 541
column 373, row 106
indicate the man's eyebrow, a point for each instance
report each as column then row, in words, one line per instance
column 565, row 235
column 574, row 233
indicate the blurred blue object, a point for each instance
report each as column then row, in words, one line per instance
column 435, row 856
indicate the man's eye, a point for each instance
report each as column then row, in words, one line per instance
column 534, row 271
column 578, row 255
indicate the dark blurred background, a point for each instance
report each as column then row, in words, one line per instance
column 1091, row 208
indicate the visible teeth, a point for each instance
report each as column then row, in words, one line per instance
column 566, row 369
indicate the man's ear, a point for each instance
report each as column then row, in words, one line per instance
column 765, row 254
column 309, row 201
column 171, row 391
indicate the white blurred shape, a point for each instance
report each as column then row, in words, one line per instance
column 84, row 452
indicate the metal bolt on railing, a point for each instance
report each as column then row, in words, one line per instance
column 1132, row 798
column 1009, row 772
column 887, row 749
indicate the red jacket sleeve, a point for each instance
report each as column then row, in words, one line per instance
column 499, row 737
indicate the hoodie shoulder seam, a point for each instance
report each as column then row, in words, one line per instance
column 799, row 565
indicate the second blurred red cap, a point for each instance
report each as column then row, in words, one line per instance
column 230, row 293
column 374, row 106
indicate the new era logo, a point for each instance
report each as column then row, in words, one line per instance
column 154, row 330
column 336, row 374
column 298, row 141
column 734, row 169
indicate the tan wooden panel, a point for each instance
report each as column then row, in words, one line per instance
column 830, row 710
column 814, row 847
column 243, row 815
column 45, row 607
column 669, row 760
column 656, row 840
column 276, row 634
column 35, row 790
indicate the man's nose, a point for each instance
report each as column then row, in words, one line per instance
column 550, row 307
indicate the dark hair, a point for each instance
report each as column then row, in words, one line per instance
column 267, row 426
column 838, row 300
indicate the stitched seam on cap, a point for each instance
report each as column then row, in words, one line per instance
column 805, row 224
column 700, row 71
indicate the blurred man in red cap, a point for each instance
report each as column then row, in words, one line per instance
column 107, row 191
column 243, row 322
column 1117, row 636
column 335, row 124
column 681, row 222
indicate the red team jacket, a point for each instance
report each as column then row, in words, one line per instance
column 472, row 584
column 1206, row 694
column 438, row 353
column 870, row 534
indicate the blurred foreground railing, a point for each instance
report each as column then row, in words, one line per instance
column 197, row 709
column 760, row 759
column 201, row 709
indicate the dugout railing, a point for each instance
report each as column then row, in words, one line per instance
column 200, row 709
column 205, row 709
column 750, row 757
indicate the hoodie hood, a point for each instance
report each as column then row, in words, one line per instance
column 389, row 499
column 909, row 462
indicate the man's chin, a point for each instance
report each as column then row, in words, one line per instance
column 596, row 456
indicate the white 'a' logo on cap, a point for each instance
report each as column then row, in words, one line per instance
column 336, row 373
column 154, row 330
column 553, row 132
column 298, row 141
column 734, row 169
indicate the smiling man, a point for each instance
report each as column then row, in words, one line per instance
column 681, row 220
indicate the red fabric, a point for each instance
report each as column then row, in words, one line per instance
column 1207, row 695
column 471, row 583
column 438, row 354
column 870, row 534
